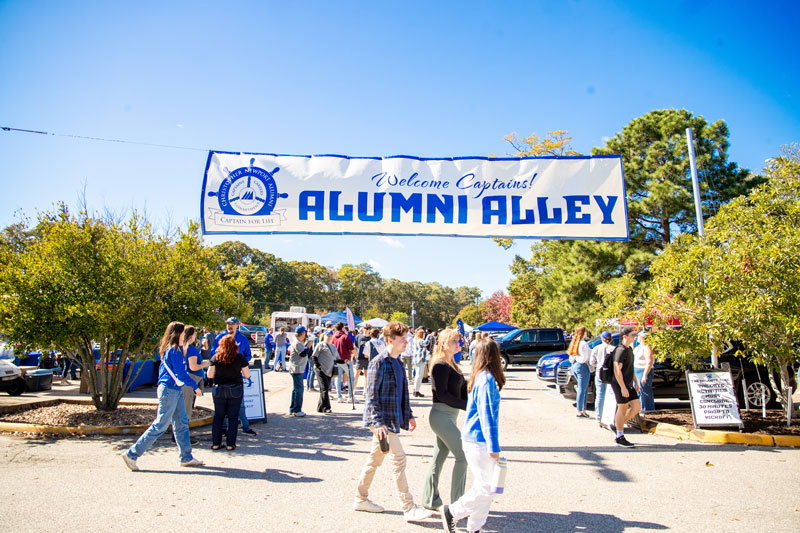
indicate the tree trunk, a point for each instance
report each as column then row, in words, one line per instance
column 783, row 391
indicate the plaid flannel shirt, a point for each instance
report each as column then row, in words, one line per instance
column 384, row 402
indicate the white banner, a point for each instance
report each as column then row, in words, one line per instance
column 713, row 398
column 540, row 198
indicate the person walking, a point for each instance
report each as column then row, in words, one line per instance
column 323, row 357
column 280, row 350
column 172, row 376
column 346, row 348
column 232, row 328
column 387, row 410
column 365, row 353
column 227, row 369
column 196, row 365
column 625, row 386
column 643, row 363
column 421, row 347
column 298, row 358
column 480, row 438
column 313, row 339
column 269, row 347
column 596, row 360
column 449, row 397
column 407, row 358
column 579, row 353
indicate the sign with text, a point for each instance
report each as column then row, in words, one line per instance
column 713, row 398
column 541, row 198
column 254, row 405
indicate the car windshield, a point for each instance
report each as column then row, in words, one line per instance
column 510, row 335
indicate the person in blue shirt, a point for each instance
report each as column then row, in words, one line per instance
column 232, row 328
column 269, row 346
column 172, row 376
column 196, row 364
column 479, row 438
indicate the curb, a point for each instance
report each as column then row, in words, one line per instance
column 672, row 431
column 22, row 427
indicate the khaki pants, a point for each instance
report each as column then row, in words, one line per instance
column 398, row 457
column 188, row 395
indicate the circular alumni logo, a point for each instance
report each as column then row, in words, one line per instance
column 248, row 191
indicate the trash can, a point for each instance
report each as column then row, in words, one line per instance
column 40, row 379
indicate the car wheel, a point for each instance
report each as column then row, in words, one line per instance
column 758, row 394
column 504, row 362
column 17, row 388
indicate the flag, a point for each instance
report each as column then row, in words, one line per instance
column 351, row 322
column 461, row 327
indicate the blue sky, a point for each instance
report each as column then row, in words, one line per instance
column 367, row 79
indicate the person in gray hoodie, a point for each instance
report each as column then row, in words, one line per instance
column 298, row 359
column 322, row 358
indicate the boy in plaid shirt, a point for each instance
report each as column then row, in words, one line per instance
column 387, row 410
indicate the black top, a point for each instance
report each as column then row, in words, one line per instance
column 624, row 354
column 230, row 374
column 449, row 387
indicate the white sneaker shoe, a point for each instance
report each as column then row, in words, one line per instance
column 367, row 506
column 130, row 462
column 193, row 462
column 417, row 513
column 299, row 414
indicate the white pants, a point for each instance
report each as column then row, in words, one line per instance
column 476, row 502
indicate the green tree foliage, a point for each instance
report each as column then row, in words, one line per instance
column 75, row 281
column 740, row 282
column 399, row 316
column 470, row 315
column 568, row 274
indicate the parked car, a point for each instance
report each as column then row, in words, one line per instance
column 254, row 334
column 670, row 382
column 11, row 380
column 547, row 367
column 526, row 346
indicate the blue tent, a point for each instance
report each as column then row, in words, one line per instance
column 495, row 326
column 339, row 317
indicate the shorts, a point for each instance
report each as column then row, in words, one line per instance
column 632, row 394
column 362, row 363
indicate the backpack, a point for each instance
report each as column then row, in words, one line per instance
column 607, row 369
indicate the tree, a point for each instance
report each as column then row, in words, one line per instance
column 470, row 315
column 741, row 281
column 497, row 307
column 82, row 280
column 399, row 316
column 525, row 293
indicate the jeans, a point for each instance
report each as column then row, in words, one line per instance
column 646, row 390
column 345, row 369
column 324, row 397
column 242, row 418
column 170, row 410
column 599, row 398
column 280, row 357
column 444, row 423
column 71, row 368
column 476, row 502
column 310, row 375
column 227, row 402
column 582, row 374
column 420, row 372
column 297, row 394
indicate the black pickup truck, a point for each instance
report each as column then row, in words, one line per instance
column 526, row 346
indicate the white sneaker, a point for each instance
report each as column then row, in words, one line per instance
column 417, row 513
column 367, row 506
column 193, row 462
column 130, row 462
column 299, row 414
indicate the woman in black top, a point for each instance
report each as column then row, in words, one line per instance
column 449, row 397
column 227, row 369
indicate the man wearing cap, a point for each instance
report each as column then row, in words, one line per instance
column 596, row 360
column 298, row 359
column 232, row 328
column 625, row 386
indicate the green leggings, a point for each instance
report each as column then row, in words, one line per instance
column 448, row 440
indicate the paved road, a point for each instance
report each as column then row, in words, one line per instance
column 565, row 474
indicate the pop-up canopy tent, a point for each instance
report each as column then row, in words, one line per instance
column 495, row 326
column 375, row 322
column 339, row 317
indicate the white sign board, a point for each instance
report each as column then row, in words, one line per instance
column 580, row 197
column 713, row 398
column 254, row 406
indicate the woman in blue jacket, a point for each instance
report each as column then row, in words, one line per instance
column 172, row 376
column 479, row 438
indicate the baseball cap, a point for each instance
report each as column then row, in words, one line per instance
column 605, row 335
column 627, row 330
column 642, row 333
column 232, row 320
column 300, row 329
column 328, row 332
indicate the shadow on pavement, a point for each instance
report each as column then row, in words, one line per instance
column 558, row 523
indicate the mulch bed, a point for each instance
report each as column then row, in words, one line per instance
column 70, row 414
column 774, row 424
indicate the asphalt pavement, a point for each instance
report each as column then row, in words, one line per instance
column 299, row 474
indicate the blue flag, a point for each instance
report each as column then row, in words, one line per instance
column 461, row 327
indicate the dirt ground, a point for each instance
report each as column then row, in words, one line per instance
column 773, row 424
column 70, row 414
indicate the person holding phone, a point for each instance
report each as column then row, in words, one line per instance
column 479, row 438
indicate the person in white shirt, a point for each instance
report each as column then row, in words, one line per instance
column 579, row 353
column 596, row 360
column 643, row 362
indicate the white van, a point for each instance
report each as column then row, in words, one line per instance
column 295, row 316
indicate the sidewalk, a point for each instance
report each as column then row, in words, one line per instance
column 299, row 474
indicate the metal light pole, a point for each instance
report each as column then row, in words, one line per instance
column 413, row 315
column 698, row 208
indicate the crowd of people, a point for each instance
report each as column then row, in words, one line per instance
column 392, row 360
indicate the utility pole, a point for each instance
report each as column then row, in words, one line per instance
column 413, row 314
column 362, row 298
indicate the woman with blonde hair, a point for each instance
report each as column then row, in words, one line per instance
column 449, row 397
column 579, row 354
